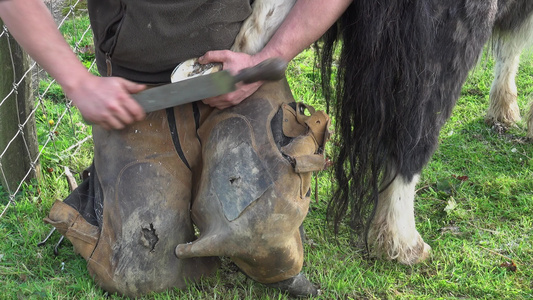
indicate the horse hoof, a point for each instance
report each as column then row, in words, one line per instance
column 298, row 286
column 416, row 256
column 192, row 68
column 426, row 253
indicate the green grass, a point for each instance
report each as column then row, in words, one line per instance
column 474, row 207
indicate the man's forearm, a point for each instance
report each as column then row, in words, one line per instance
column 307, row 22
column 32, row 25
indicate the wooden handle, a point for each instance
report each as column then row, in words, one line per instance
column 271, row 69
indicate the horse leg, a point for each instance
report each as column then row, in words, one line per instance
column 393, row 230
column 258, row 28
column 255, row 32
column 508, row 45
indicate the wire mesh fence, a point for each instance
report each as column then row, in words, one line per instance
column 42, row 136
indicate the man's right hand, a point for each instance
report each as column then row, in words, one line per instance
column 107, row 101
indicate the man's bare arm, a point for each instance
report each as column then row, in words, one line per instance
column 104, row 101
column 307, row 21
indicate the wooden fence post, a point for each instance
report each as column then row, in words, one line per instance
column 17, row 160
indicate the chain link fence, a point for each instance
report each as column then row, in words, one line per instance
column 42, row 136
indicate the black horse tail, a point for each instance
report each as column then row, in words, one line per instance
column 380, row 80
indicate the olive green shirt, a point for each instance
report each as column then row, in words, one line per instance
column 144, row 40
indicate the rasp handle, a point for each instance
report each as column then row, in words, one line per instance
column 271, row 69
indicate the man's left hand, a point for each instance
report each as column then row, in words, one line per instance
column 233, row 62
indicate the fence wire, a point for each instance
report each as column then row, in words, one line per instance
column 60, row 133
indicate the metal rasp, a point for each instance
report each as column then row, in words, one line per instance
column 205, row 86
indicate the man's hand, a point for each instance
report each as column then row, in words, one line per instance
column 233, row 62
column 106, row 101
column 103, row 101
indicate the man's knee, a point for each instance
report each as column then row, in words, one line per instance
column 253, row 195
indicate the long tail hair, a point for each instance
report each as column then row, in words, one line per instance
column 379, row 76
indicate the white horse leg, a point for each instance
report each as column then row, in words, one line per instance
column 392, row 231
column 258, row 28
column 255, row 32
column 503, row 107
